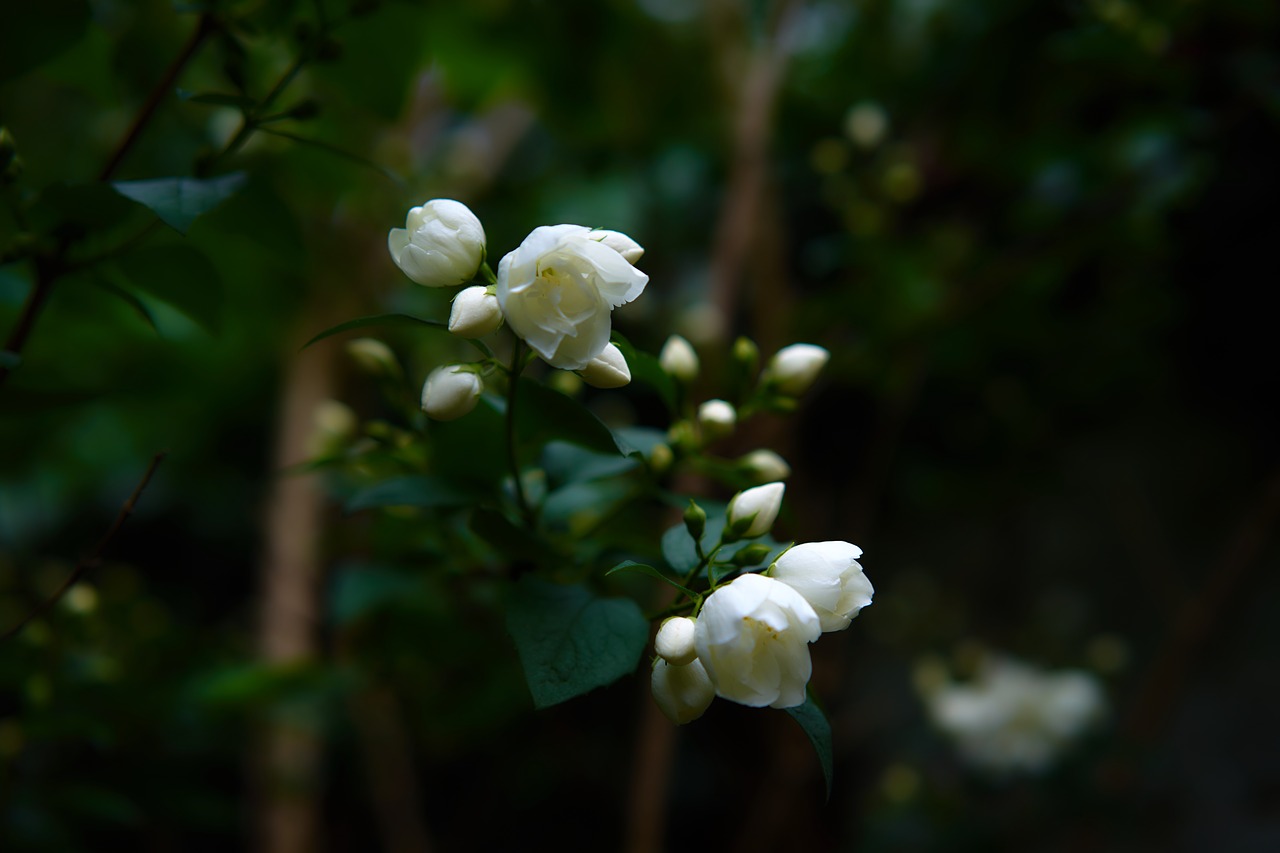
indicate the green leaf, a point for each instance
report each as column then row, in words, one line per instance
column 413, row 490
column 570, row 641
column 178, row 275
column 635, row 439
column 569, row 463
column 108, row 281
column 645, row 569
column 9, row 360
column 815, row 725
column 375, row 320
column 579, row 507
column 544, row 415
column 34, row 32
column 180, row 201
column 362, row 590
column 646, row 370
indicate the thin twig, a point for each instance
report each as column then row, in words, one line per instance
column 94, row 559
column 204, row 28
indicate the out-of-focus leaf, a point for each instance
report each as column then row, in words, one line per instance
column 31, row 33
column 578, row 507
column 416, row 490
column 545, row 415
column 180, row 276
column 110, row 281
column 571, row 641
column 471, row 449
column 361, row 590
column 9, row 360
column 815, row 725
column 566, row 463
column 645, row 569
column 640, row 440
column 375, row 320
column 89, row 205
column 180, row 201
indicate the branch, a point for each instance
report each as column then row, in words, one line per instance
column 95, row 559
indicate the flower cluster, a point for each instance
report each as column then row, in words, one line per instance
column 1013, row 717
column 555, row 292
column 748, row 639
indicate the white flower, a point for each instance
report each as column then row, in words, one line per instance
column 827, row 574
column 793, row 369
column 1014, row 717
column 756, row 508
column 753, row 638
column 717, row 418
column 682, row 692
column 607, row 370
column 557, row 289
column 765, row 466
column 450, row 392
column 475, row 312
column 674, row 642
column 678, row 359
column 442, row 244
column 630, row 250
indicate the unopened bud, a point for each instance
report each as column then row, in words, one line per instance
column 475, row 312
column 752, row 554
column 678, row 359
column 450, row 392
column 695, row 521
column 794, row 368
column 764, row 466
column 717, row 419
column 674, row 642
column 607, row 370
column 374, row 357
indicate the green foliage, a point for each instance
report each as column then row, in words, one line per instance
column 818, row 730
column 180, row 201
column 572, row 641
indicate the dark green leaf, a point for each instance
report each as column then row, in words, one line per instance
column 579, row 507
column 414, row 490
column 180, row 201
column 646, row 370
column 570, row 641
column 180, row 276
column 545, row 415
column 361, row 590
column 9, row 360
column 565, row 463
column 336, row 151
column 109, row 281
column 376, row 320
column 31, row 33
column 644, row 569
column 640, row 440
column 815, row 725
column 472, row 448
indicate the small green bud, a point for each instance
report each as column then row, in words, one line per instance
column 695, row 521
column 752, row 554
column 660, row 458
column 746, row 353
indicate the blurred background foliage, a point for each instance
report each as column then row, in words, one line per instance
column 1036, row 237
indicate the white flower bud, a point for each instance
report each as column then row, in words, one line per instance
column 717, row 419
column 441, row 245
column 674, row 642
column 753, row 637
column 829, row 577
column 678, row 359
column 793, row 369
column 450, row 392
column 756, row 509
column 682, row 692
column 475, row 312
column 373, row 356
column 630, row 250
column 765, row 466
column 607, row 370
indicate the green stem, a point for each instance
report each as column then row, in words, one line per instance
column 517, row 367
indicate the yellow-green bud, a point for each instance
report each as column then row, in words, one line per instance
column 695, row 521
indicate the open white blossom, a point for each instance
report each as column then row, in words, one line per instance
column 607, row 370
column 753, row 637
column 557, row 290
column 794, row 368
column 475, row 312
column 1014, row 717
column 757, row 508
column 441, row 245
column 829, row 577
column 450, row 392
column 682, row 692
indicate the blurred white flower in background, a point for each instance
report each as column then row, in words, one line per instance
column 1012, row 717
